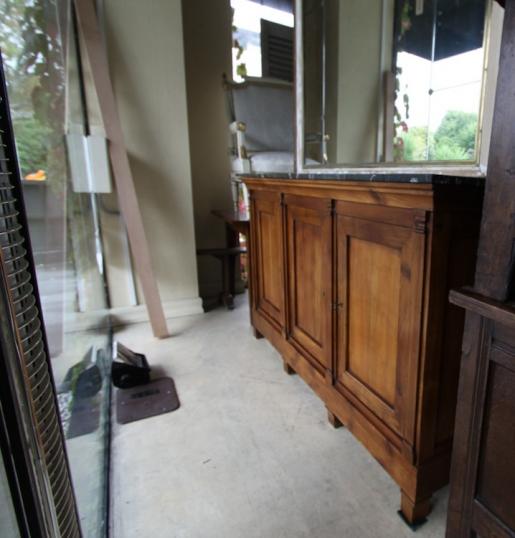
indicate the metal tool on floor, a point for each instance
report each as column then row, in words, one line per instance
column 129, row 369
column 138, row 396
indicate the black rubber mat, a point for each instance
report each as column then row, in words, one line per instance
column 154, row 398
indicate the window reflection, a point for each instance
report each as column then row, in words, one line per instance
column 439, row 67
column 392, row 81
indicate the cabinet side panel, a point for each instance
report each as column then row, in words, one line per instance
column 460, row 272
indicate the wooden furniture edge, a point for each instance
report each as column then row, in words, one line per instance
column 332, row 183
column 503, row 313
column 429, row 197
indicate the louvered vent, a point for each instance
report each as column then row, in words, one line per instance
column 17, row 272
column 276, row 51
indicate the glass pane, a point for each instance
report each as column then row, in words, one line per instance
column 47, row 111
column 8, row 523
column 248, row 17
column 312, row 25
column 439, row 71
column 392, row 80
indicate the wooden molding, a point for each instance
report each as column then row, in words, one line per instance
column 488, row 308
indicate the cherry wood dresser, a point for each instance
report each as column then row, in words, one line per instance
column 350, row 283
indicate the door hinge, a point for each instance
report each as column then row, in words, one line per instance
column 419, row 223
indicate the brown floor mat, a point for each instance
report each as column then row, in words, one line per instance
column 154, row 398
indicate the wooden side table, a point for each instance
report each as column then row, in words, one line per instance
column 236, row 223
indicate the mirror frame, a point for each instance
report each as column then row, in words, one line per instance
column 477, row 168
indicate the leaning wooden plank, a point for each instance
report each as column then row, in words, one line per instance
column 89, row 27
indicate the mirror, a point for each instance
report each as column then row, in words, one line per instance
column 392, row 81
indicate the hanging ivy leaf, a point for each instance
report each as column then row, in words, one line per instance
column 241, row 70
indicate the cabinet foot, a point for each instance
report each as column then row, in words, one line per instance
column 288, row 369
column 334, row 420
column 414, row 513
column 256, row 333
column 228, row 301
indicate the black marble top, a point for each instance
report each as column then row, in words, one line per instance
column 431, row 179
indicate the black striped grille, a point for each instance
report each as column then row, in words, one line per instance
column 17, row 270
column 276, row 51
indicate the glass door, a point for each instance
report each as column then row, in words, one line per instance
column 43, row 72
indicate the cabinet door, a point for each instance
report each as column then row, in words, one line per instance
column 380, row 261
column 482, row 493
column 309, row 274
column 267, row 254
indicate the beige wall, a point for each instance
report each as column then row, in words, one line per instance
column 359, row 81
column 353, row 77
column 312, row 76
column 146, row 56
column 207, row 49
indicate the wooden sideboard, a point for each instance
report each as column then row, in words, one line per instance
column 350, row 283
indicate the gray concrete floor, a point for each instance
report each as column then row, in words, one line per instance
column 8, row 524
column 249, row 453
column 86, row 453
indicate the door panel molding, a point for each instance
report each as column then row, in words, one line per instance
column 379, row 320
column 309, row 275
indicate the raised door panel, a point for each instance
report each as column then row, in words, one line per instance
column 491, row 480
column 379, row 296
column 309, row 241
column 496, row 472
column 268, row 256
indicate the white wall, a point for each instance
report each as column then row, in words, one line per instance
column 146, row 56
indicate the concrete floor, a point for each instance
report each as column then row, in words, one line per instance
column 249, row 453
column 8, row 524
column 86, row 453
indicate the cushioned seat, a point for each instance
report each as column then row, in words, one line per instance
column 262, row 115
column 270, row 161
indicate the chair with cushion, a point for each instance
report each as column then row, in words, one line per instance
column 262, row 125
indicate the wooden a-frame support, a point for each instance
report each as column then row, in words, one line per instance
column 97, row 56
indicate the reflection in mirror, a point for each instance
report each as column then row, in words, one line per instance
column 392, row 81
